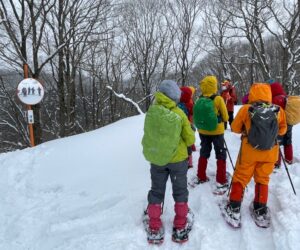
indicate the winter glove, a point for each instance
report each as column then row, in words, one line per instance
column 279, row 139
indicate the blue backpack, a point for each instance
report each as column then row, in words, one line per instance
column 182, row 106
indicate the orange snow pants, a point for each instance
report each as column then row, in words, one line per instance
column 259, row 170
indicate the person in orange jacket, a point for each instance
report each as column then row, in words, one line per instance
column 252, row 162
column 229, row 95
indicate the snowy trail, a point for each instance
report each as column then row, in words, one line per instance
column 88, row 192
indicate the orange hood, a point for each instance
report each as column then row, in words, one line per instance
column 260, row 92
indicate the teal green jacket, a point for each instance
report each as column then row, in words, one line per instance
column 187, row 134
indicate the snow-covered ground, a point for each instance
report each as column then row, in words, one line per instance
column 88, row 192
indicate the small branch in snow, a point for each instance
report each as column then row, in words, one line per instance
column 122, row 96
column 145, row 98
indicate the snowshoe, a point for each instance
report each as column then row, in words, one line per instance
column 231, row 215
column 195, row 181
column 153, row 236
column 223, row 188
column 182, row 235
column 261, row 216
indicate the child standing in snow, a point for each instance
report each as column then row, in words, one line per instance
column 254, row 162
column 230, row 98
column 186, row 104
column 155, row 142
column 191, row 105
column 279, row 97
column 208, row 87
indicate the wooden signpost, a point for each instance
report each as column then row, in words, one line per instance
column 30, row 92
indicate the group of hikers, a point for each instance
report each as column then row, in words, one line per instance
column 168, row 143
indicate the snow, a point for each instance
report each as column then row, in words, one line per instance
column 88, row 192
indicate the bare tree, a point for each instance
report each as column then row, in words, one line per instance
column 221, row 43
column 182, row 17
column 74, row 24
column 248, row 19
column 217, row 31
column 146, row 37
column 287, row 34
column 24, row 25
column 12, row 121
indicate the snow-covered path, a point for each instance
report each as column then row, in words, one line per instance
column 88, row 192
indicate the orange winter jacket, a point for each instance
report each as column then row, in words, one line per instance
column 242, row 123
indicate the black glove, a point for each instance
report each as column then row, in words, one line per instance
column 280, row 139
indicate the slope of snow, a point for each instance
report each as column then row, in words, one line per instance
column 88, row 192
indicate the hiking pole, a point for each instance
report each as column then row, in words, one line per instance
column 239, row 158
column 287, row 171
column 229, row 154
column 231, row 165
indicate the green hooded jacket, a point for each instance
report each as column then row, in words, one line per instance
column 187, row 137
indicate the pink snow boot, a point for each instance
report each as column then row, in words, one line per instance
column 181, row 211
column 154, row 212
column 202, row 165
column 221, row 172
column 183, row 222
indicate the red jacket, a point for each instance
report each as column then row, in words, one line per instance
column 229, row 97
column 278, row 94
column 186, row 98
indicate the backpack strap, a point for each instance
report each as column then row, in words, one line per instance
column 285, row 100
column 213, row 97
column 183, row 107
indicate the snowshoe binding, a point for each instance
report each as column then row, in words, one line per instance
column 182, row 235
column 153, row 236
column 231, row 215
column 261, row 216
column 195, row 181
column 223, row 188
